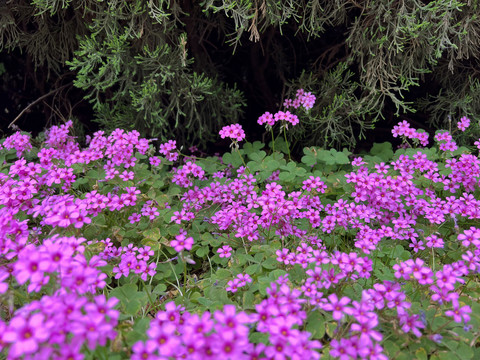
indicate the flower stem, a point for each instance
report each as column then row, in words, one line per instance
column 243, row 161
column 273, row 139
column 286, row 141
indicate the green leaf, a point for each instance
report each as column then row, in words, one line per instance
column 280, row 145
column 248, row 300
column 257, row 156
column 153, row 234
column 99, row 220
column 95, row 174
column 201, row 252
column 310, row 158
column 275, row 274
column 159, row 289
column 258, row 338
column 421, row 354
column 223, row 274
column 332, row 157
column 232, row 159
column 270, row 264
column 154, row 245
column 206, row 302
column 383, row 150
column 80, row 181
column 158, row 184
column 286, row 176
column 391, row 348
column 253, row 147
column 271, row 164
column 253, row 269
column 460, row 151
column 297, row 273
column 131, row 300
column 316, row 325
column 464, row 351
column 139, row 331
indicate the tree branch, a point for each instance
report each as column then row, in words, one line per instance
column 37, row 101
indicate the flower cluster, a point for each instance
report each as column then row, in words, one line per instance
column 446, row 141
column 168, row 149
column 240, row 281
column 283, row 116
column 305, row 99
column 154, row 160
column 403, row 129
column 314, row 183
column 57, row 327
column 225, row 333
column 18, row 141
column 129, row 259
column 234, row 132
column 302, row 98
column 391, row 210
column 185, row 175
column 58, row 257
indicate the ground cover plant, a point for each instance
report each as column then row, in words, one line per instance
column 118, row 250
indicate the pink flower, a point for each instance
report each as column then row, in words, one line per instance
column 338, row 307
column 266, row 118
column 244, row 279
column 458, row 313
column 31, row 265
column 477, row 144
column 410, row 322
column 155, row 161
column 134, row 218
column 233, row 285
column 225, row 251
column 433, row 241
column 168, row 150
column 25, row 334
column 181, row 243
column 464, row 123
column 234, row 132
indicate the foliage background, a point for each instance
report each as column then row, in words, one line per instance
column 182, row 69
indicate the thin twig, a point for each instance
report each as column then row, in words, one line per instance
column 37, row 101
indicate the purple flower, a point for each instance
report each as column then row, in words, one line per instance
column 339, row 307
column 410, row 322
column 181, row 243
column 163, row 338
column 225, row 251
column 233, row 285
column 459, row 313
column 25, row 334
column 234, row 132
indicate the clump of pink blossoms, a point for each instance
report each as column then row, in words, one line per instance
column 169, row 150
column 305, row 99
column 446, row 141
column 19, row 142
column 302, row 98
column 234, row 132
column 403, row 129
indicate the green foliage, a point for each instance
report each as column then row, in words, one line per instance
column 339, row 116
column 151, row 89
column 166, row 68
